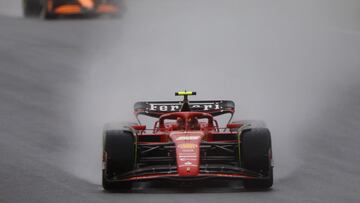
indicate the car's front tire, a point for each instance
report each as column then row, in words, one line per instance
column 119, row 158
column 256, row 155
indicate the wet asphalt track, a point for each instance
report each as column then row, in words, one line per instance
column 40, row 62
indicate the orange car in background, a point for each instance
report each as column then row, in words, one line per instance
column 51, row 9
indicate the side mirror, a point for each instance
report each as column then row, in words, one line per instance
column 233, row 125
column 139, row 127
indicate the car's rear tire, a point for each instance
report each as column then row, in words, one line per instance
column 31, row 8
column 119, row 158
column 256, row 155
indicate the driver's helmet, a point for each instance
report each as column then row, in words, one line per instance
column 194, row 123
column 180, row 123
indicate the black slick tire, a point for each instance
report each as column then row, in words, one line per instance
column 256, row 155
column 119, row 158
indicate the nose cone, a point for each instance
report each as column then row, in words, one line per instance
column 89, row 4
column 187, row 152
column 188, row 158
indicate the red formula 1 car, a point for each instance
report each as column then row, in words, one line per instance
column 50, row 9
column 186, row 143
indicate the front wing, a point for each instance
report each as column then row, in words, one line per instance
column 206, row 172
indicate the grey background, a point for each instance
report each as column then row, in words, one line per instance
column 292, row 64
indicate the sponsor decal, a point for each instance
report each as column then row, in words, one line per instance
column 187, row 146
column 187, row 164
column 188, row 159
column 187, row 156
column 188, row 138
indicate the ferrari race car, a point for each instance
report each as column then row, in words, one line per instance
column 51, row 9
column 186, row 143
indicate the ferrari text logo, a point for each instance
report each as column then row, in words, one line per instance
column 177, row 107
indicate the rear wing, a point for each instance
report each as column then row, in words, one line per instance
column 157, row 108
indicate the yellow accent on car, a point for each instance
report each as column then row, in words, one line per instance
column 185, row 93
